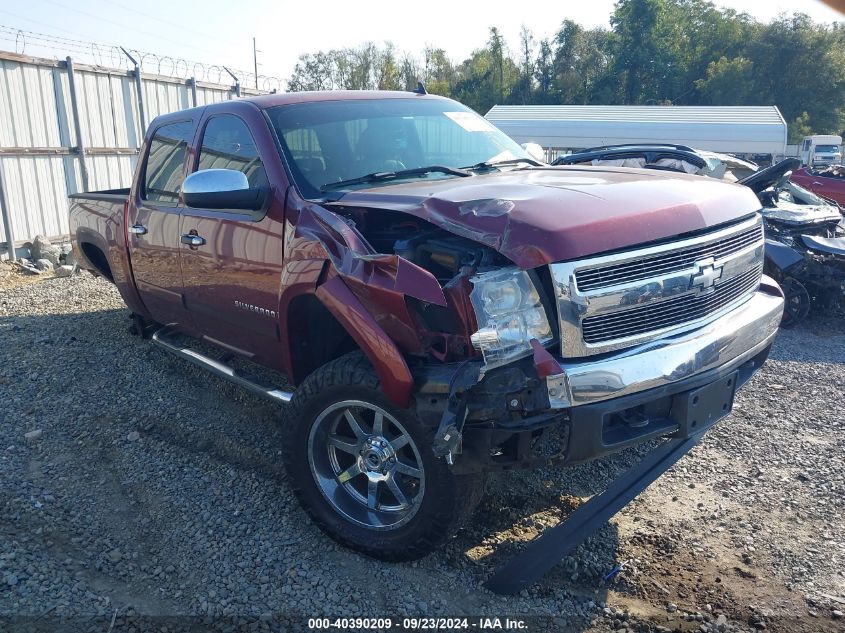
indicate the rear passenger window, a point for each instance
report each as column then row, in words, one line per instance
column 165, row 168
column 227, row 144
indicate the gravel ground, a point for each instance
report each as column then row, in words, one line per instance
column 148, row 488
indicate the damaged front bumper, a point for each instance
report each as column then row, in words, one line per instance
column 514, row 418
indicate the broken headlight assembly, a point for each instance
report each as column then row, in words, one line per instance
column 509, row 314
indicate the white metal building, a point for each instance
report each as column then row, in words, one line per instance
column 66, row 128
column 730, row 129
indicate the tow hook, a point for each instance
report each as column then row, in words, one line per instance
column 447, row 440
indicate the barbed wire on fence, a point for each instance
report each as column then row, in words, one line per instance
column 112, row 56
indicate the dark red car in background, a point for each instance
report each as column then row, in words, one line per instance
column 828, row 182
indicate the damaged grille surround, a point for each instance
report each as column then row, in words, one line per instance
column 615, row 301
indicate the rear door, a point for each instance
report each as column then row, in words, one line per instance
column 153, row 222
column 232, row 281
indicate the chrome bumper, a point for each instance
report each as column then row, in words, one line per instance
column 726, row 342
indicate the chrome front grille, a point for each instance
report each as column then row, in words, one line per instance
column 658, row 316
column 664, row 263
column 619, row 300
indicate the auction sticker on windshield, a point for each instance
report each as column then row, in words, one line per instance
column 471, row 122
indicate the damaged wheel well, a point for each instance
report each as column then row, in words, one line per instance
column 314, row 336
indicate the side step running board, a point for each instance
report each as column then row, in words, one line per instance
column 160, row 338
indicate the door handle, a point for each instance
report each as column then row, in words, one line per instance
column 192, row 240
column 137, row 229
column 817, row 184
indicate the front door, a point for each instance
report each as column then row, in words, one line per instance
column 153, row 223
column 232, row 280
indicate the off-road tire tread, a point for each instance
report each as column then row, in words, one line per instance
column 355, row 370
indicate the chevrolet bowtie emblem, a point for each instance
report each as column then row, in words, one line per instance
column 705, row 275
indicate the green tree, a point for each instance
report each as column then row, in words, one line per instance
column 488, row 77
column 657, row 52
column 800, row 66
column 728, row 82
column 524, row 88
column 387, row 69
column 544, row 72
column 362, row 64
column 645, row 51
column 438, row 71
column 596, row 50
column 581, row 62
column 496, row 51
column 703, row 34
column 313, row 71
column 567, row 62
column 799, row 127
column 409, row 73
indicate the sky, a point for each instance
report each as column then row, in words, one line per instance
column 221, row 31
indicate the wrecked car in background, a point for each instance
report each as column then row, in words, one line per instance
column 440, row 303
column 805, row 241
column 805, row 234
column 663, row 156
column 827, row 182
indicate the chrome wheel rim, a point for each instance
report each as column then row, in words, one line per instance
column 366, row 465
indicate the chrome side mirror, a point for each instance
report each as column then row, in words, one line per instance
column 211, row 180
column 223, row 189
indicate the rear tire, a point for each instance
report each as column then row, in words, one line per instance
column 364, row 469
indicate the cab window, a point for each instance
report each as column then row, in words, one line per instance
column 165, row 167
column 228, row 144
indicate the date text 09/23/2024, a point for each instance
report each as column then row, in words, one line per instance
column 420, row 623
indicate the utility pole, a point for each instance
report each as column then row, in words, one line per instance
column 255, row 62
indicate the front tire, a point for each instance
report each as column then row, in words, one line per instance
column 797, row 302
column 364, row 469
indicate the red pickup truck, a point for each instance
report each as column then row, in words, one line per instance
column 440, row 304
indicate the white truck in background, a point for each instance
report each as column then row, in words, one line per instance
column 821, row 149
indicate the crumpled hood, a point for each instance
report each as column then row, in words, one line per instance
column 542, row 215
column 799, row 214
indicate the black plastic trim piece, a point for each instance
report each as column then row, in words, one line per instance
column 545, row 552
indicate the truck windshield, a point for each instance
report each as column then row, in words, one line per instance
column 827, row 149
column 329, row 142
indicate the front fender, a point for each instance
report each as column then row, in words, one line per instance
column 781, row 256
column 385, row 357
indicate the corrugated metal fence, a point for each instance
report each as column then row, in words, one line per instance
column 66, row 128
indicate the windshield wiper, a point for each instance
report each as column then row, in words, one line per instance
column 381, row 176
column 486, row 164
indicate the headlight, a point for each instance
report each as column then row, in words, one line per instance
column 509, row 313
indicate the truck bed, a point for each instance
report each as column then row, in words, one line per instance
column 96, row 229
